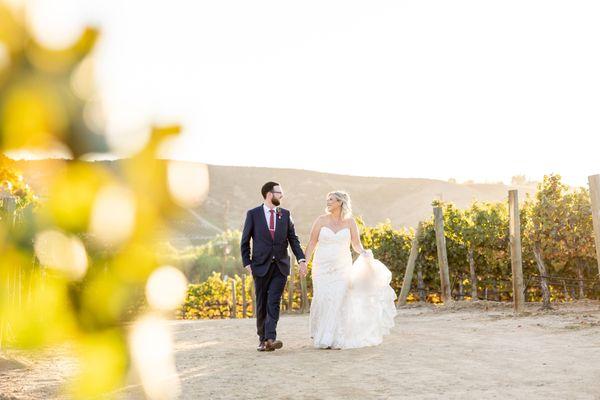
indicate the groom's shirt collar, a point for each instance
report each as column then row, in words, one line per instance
column 268, row 214
column 267, row 208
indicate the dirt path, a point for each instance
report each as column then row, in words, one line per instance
column 466, row 352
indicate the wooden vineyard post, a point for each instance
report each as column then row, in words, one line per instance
column 233, row 300
column 304, row 290
column 253, row 295
column 440, row 241
column 515, row 251
column 410, row 266
column 290, row 289
column 594, row 182
column 244, row 302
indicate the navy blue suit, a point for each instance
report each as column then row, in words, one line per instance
column 270, row 264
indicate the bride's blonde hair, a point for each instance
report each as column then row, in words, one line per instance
column 343, row 198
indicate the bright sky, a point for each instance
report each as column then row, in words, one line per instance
column 443, row 89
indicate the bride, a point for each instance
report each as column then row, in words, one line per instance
column 353, row 304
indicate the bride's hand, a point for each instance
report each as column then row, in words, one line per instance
column 368, row 254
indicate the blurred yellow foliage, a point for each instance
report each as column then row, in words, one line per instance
column 70, row 272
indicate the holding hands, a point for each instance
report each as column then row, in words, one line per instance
column 303, row 267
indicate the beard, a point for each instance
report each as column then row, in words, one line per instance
column 275, row 201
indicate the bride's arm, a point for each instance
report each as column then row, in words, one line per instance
column 355, row 238
column 312, row 241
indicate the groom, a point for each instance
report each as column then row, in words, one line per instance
column 271, row 229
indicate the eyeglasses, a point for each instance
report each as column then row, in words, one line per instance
column 273, row 191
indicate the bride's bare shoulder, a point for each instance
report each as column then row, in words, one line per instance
column 350, row 221
column 321, row 219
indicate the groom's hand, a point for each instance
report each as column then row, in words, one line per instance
column 303, row 268
column 248, row 268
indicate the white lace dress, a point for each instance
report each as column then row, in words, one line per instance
column 353, row 304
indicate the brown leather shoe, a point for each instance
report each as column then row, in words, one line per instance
column 272, row 345
column 261, row 346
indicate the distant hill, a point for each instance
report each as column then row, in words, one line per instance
column 233, row 190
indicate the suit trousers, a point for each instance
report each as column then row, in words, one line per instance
column 269, row 289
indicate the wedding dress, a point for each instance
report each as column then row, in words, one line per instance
column 353, row 304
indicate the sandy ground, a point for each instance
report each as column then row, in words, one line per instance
column 460, row 352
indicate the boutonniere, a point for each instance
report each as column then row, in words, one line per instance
column 278, row 212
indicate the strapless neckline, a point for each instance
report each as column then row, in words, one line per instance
column 332, row 231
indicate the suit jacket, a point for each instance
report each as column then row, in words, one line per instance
column 264, row 249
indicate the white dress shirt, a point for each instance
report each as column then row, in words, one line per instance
column 268, row 216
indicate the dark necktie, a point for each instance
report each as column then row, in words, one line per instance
column 272, row 224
